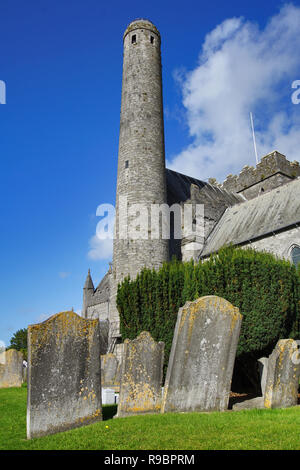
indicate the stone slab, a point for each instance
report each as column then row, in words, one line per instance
column 257, row 403
column 141, row 376
column 110, row 371
column 11, row 368
column 283, row 375
column 64, row 374
column 263, row 370
column 202, row 356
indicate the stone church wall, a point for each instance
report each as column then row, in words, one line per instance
column 280, row 244
column 99, row 311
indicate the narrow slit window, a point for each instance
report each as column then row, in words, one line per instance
column 133, row 39
column 152, row 39
column 126, row 163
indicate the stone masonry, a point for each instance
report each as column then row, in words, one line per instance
column 141, row 161
column 272, row 171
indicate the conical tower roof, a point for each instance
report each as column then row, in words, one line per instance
column 89, row 282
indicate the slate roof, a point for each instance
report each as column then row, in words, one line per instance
column 249, row 220
column 179, row 189
column 88, row 282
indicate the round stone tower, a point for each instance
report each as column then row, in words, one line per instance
column 141, row 164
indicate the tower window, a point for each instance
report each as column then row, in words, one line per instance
column 126, row 163
column 152, row 39
column 295, row 254
column 133, row 39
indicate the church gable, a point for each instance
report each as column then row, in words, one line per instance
column 271, row 212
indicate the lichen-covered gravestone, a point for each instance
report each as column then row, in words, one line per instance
column 141, row 376
column 64, row 374
column 263, row 369
column 202, row 356
column 110, row 371
column 282, row 381
column 11, row 368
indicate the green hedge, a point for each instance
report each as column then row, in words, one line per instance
column 264, row 288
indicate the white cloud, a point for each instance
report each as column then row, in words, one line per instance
column 242, row 68
column 100, row 248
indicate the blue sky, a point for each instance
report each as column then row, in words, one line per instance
column 62, row 65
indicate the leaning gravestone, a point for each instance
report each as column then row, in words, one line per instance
column 110, row 372
column 64, row 374
column 282, row 381
column 263, row 370
column 141, row 376
column 202, row 356
column 11, row 368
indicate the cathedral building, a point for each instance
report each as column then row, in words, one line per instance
column 260, row 207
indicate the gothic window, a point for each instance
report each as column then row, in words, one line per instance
column 295, row 255
column 133, row 39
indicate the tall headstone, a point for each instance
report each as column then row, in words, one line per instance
column 141, row 376
column 11, row 368
column 202, row 356
column 283, row 375
column 64, row 374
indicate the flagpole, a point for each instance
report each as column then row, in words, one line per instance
column 253, row 135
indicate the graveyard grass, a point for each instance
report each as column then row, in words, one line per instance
column 238, row 430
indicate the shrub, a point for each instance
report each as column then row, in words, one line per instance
column 264, row 288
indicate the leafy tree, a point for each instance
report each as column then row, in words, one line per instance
column 19, row 341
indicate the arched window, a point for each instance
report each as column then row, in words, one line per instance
column 295, row 255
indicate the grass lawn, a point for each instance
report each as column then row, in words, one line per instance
column 240, row 430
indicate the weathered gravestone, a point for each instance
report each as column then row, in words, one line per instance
column 141, row 376
column 110, row 371
column 64, row 374
column 283, row 375
column 202, row 356
column 263, row 370
column 279, row 378
column 11, row 368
